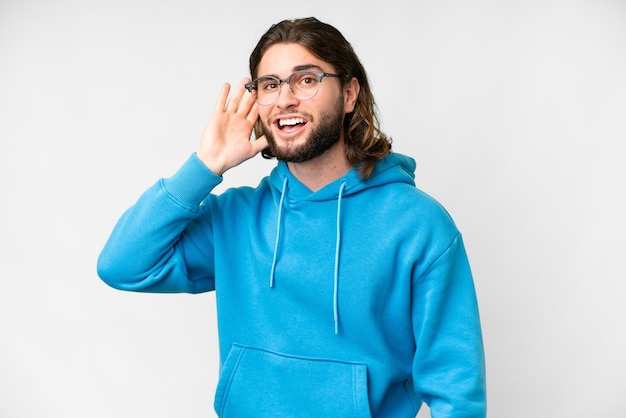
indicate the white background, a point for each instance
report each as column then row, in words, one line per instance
column 514, row 110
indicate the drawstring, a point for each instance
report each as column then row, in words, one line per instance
column 280, row 215
column 337, row 247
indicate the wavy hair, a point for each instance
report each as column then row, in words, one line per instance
column 365, row 142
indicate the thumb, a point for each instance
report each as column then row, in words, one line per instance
column 259, row 144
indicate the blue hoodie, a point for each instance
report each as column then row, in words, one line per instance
column 353, row 301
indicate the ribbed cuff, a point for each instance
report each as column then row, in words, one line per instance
column 192, row 183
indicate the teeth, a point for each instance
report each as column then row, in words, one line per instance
column 291, row 122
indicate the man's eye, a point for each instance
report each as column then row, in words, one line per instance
column 307, row 81
column 269, row 85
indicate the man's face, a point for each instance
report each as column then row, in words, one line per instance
column 300, row 130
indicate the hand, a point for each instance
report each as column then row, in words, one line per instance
column 226, row 139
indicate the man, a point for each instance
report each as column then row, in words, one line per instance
column 342, row 290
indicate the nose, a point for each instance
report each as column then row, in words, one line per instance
column 285, row 98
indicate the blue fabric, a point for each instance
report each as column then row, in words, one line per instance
column 356, row 300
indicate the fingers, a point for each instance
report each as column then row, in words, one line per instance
column 222, row 98
column 253, row 112
column 259, row 144
column 235, row 100
column 226, row 137
column 239, row 103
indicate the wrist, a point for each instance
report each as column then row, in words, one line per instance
column 213, row 163
column 192, row 182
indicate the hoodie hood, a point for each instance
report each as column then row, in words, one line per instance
column 394, row 168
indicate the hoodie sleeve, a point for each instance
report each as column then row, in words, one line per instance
column 449, row 366
column 163, row 243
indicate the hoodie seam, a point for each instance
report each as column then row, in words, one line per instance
column 444, row 252
column 190, row 208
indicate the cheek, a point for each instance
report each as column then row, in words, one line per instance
column 264, row 114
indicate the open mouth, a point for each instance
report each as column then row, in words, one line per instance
column 290, row 124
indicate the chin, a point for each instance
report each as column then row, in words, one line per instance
column 310, row 142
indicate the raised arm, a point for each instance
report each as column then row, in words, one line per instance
column 163, row 243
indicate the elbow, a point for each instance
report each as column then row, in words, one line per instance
column 110, row 273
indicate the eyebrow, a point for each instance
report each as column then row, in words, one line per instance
column 307, row 67
column 302, row 67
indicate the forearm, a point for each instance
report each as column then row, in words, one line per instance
column 145, row 251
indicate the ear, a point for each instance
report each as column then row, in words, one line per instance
column 350, row 95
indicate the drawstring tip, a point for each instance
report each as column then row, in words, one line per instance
column 336, row 328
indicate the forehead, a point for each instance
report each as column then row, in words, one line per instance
column 284, row 58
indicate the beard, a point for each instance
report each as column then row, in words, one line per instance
column 320, row 140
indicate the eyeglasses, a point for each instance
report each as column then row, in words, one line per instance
column 304, row 85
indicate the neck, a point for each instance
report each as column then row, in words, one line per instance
column 322, row 170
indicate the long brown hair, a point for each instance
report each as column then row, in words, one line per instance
column 365, row 142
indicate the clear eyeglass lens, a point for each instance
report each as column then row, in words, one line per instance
column 303, row 85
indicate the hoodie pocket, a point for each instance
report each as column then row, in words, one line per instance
column 260, row 383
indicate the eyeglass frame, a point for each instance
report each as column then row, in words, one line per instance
column 319, row 74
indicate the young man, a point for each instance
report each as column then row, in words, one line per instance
column 342, row 290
